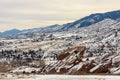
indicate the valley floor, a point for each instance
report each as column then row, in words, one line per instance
column 68, row 77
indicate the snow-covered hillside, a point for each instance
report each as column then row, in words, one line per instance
column 88, row 50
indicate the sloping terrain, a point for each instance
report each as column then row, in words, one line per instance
column 87, row 50
column 96, row 52
column 84, row 22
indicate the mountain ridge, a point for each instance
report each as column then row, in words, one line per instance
column 83, row 22
column 92, row 19
column 10, row 32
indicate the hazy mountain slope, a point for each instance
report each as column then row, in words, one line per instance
column 92, row 19
column 10, row 32
column 47, row 29
column 84, row 22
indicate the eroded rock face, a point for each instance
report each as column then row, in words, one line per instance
column 68, row 59
column 75, row 63
column 72, row 62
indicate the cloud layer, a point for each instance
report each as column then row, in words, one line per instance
column 24, row 14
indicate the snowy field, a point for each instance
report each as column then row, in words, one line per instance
column 69, row 77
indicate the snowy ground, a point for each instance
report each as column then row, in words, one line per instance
column 69, row 77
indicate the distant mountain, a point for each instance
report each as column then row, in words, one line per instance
column 92, row 19
column 10, row 32
column 48, row 29
column 84, row 22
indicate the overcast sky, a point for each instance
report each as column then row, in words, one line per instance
column 24, row 14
